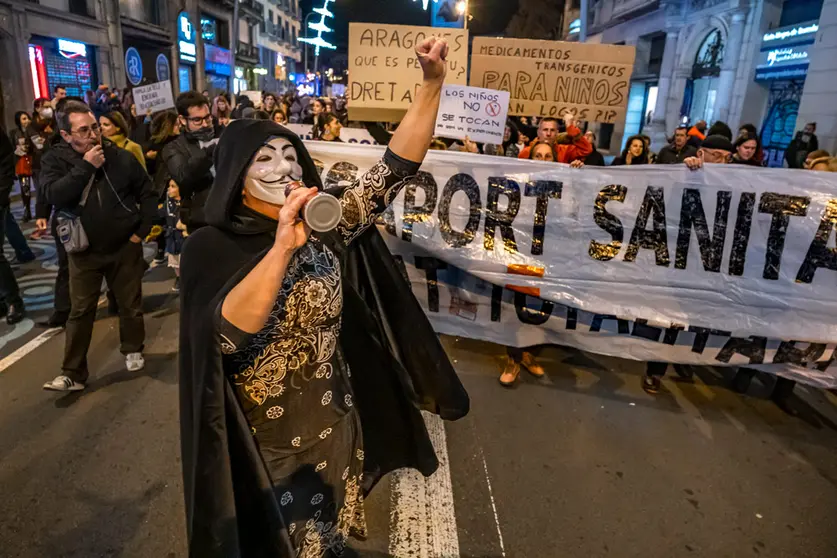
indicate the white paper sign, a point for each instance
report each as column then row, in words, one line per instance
column 475, row 112
column 157, row 97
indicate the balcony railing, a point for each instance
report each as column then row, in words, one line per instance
column 247, row 52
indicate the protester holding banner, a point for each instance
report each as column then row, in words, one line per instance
column 678, row 150
column 745, row 151
column 265, row 362
column 594, row 159
column 541, row 151
column 547, row 132
column 635, row 153
column 714, row 149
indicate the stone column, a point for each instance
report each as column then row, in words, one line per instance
column 729, row 67
column 17, row 87
column 193, row 8
column 660, row 125
column 820, row 91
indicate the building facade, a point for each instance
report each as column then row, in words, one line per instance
column 280, row 49
column 81, row 44
column 75, row 43
column 710, row 60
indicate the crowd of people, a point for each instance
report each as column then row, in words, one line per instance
column 263, row 298
column 174, row 149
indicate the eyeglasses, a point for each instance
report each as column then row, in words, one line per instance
column 86, row 130
column 197, row 120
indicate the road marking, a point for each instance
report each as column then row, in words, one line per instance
column 493, row 505
column 28, row 348
column 422, row 521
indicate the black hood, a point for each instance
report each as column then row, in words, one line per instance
column 236, row 147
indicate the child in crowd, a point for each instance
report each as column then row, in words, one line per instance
column 175, row 231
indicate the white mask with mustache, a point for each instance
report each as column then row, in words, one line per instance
column 274, row 166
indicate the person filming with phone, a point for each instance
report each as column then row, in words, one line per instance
column 104, row 203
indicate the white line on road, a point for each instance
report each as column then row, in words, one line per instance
column 493, row 505
column 28, row 348
column 422, row 522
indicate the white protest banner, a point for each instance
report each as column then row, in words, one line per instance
column 480, row 114
column 348, row 135
column 460, row 304
column 550, row 78
column 157, row 96
column 384, row 72
column 742, row 254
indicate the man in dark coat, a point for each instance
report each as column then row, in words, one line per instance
column 677, row 151
column 111, row 192
column 189, row 157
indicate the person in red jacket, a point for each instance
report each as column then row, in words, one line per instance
column 572, row 145
column 547, row 132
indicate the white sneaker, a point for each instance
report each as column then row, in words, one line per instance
column 134, row 362
column 63, row 383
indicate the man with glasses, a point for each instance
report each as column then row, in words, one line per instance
column 189, row 157
column 113, row 196
column 714, row 149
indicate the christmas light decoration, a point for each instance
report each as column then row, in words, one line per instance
column 320, row 27
column 426, row 3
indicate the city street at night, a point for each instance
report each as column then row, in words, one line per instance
column 418, row 278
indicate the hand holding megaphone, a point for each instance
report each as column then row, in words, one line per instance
column 321, row 213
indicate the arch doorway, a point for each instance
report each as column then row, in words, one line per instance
column 702, row 89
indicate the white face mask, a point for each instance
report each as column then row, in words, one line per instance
column 45, row 113
column 275, row 165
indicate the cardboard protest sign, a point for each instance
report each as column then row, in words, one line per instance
column 477, row 113
column 550, row 78
column 384, row 72
column 157, row 96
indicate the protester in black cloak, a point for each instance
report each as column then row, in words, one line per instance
column 304, row 360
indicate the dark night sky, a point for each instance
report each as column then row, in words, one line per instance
column 490, row 16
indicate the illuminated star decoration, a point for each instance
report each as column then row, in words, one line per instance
column 320, row 27
column 426, row 3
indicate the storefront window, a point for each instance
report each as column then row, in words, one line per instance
column 61, row 62
column 702, row 89
column 184, row 78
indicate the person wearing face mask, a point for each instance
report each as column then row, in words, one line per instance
column 111, row 193
column 304, row 356
column 805, row 142
column 189, row 157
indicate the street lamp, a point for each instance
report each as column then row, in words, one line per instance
column 462, row 9
column 305, row 24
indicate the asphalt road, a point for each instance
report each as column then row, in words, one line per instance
column 581, row 463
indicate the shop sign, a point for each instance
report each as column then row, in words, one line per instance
column 72, row 49
column 260, row 71
column 186, row 38
column 133, row 66
column 163, row 67
column 217, row 59
column 790, row 33
column 785, row 52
